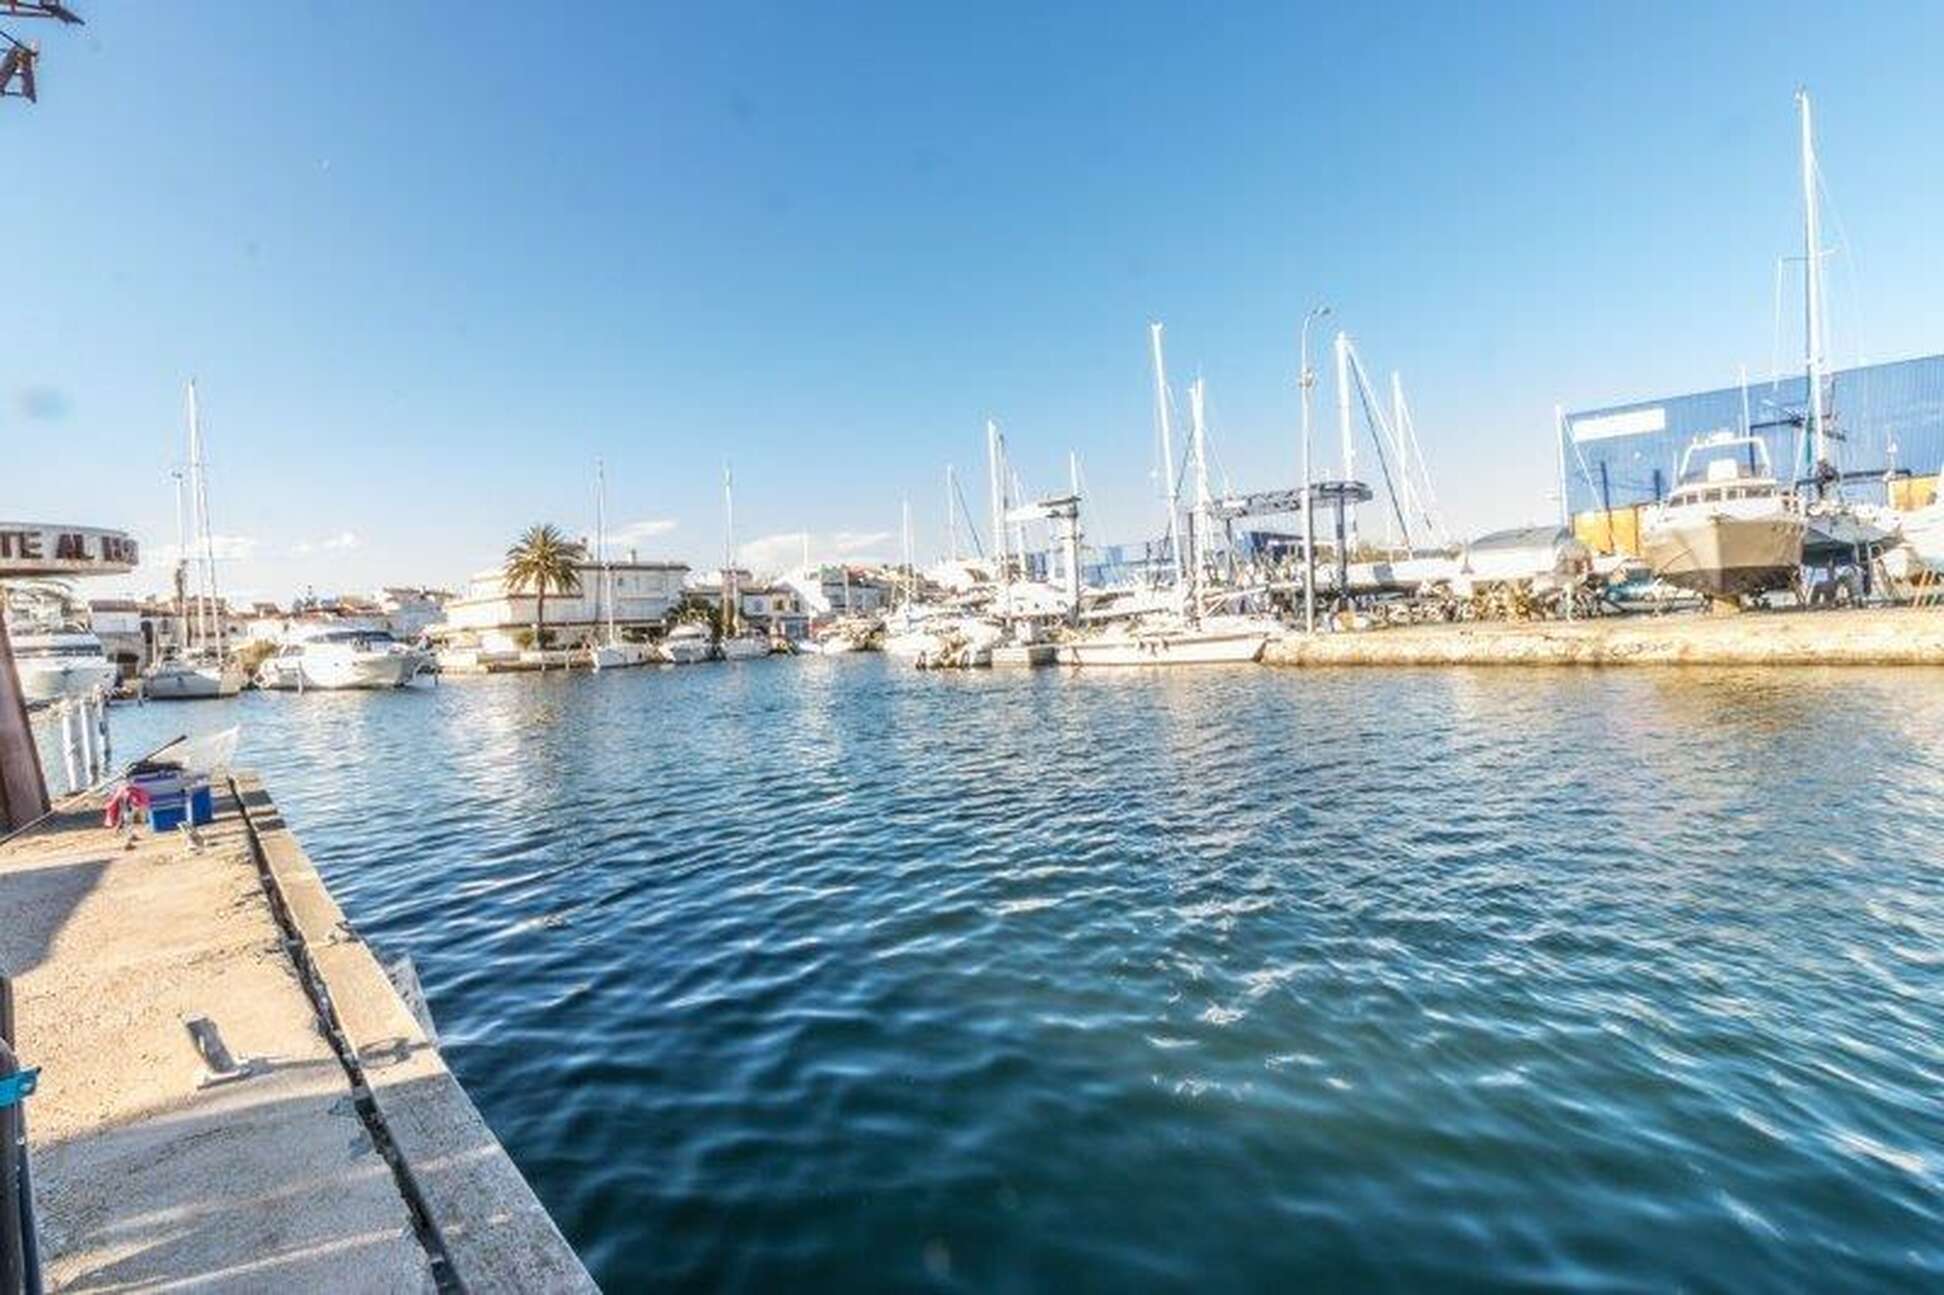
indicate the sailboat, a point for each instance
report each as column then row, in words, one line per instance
column 744, row 644
column 611, row 653
column 1197, row 631
column 202, row 667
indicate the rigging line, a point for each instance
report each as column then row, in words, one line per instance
column 965, row 509
column 1383, row 462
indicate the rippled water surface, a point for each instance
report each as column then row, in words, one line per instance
column 831, row 974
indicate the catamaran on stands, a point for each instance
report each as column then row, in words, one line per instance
column 203, row 666
column 333, row 658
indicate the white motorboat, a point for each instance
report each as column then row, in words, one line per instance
column 1167, row 640
column 687, row 644
column 193, row 678
column 746, row 646
column 1729, row 527
column 203, row 667
column 58, row 663
column 343, row 658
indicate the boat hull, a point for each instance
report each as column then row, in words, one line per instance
column 739, row 648
column 388, row 670
column 179, row 681
column 619, row 656
column 44, row 682
column 1236, row 647
column 1725, row 556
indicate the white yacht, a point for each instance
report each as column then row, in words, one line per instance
column 193, row 677
column 54, row 663
column 1221, row 639
column 202, row 667
column 343, row 658
column 687, row 644
column 746, row 646
column 1729, row 527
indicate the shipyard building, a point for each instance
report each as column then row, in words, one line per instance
column 1885, row 423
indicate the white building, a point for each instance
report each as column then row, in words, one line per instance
column 833, row 589
column 776, row 608
column 411, row 612
column 488, row 616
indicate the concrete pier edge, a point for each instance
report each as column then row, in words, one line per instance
column 483, row 1227
column 1903, row 636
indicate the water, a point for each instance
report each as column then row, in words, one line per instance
column 831, row 974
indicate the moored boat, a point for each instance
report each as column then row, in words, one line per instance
column 343, row 658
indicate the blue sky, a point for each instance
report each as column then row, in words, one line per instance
column 428, row 261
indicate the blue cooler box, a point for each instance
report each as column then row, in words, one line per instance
column 192, row 803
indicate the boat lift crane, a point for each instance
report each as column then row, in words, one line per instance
column 18, row 59
column 1064, row 512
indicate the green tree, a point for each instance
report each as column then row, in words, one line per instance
column 543, row 559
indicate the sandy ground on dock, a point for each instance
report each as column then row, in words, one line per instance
column 1877, row 636
column 144, row 1178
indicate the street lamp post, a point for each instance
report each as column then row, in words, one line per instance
column 1306, row 380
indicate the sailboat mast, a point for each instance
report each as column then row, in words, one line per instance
column 951, row 514
column 1348, row 441
column 993, row 469
column 606, row 586
column 1199, row 432
column 208, row 613
column 1167, row 447
column 728, row 552
column 182, row 565
column 1813, row 291
column 904, row 533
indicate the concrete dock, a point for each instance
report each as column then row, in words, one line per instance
column 342, row 1155
column 1876, row 636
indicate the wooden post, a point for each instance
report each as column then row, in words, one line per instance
column 23, row 791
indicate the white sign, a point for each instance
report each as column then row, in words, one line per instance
column 45, row 549
column 1633, row 422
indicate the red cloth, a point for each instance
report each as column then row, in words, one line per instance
column 128, row 801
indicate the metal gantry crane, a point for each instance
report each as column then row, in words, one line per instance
column 18, row 58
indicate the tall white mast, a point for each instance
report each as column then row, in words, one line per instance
column 951, row 514
column 1399, row 421
column 1199, row 449
column 995, row 474
column 904, row 532
column 729, row 608
column 606, row 586
column 1813, row 295
column 1167, row 448
column 1343, row 426
column 208, row 614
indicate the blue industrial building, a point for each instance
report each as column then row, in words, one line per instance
column 1886, row 423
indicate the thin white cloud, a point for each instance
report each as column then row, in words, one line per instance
column 785, row 550
column 225, row 548
column 636, row 532
column 342, row 541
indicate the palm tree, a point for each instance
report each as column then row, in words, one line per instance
column 542, row 559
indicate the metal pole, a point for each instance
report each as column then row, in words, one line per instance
column 1306, row 379
column 1343, row 425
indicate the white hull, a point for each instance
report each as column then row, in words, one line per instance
column 743, row 647
column 1723, row 555
column 835, row 646
column 187, row 681
column 619, row 656
column 913, row 644
column 42, row 682
column 1923, row 531
column 1168, row 647
column 683, row 649
column 373, row 670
